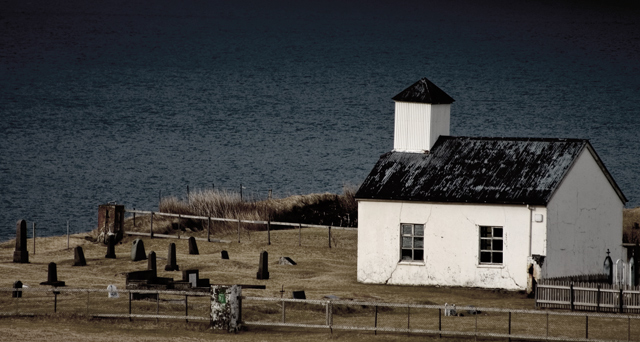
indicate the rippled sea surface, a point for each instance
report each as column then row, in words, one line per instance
column 123, row 100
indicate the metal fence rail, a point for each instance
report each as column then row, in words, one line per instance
column 210, row 219
column 28, row 299
column 496, row 322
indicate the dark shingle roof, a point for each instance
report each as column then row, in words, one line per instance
column 477, row 170
column 424, row 91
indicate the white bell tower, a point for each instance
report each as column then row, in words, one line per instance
column 422, row 114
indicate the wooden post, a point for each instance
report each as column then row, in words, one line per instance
column 283, row 311
column 238, row 229
column 509, row 326
column 547, row 323
column 151, row 226
column 67, row 234
column 440, row 320
column 375, row 322
column 159, row 198
column 209, row 229
column 299, row 234
column 408, row 319
column 329, row 236
column 34, row 237
column 586, row 327
column 571, row 296
column 188, row 198
column 598, row 299
column 621, row 300
column 240, row 192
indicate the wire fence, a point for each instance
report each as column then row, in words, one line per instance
column 240, row 223
column 438, row 320
column 330, row 314
column 102, row 303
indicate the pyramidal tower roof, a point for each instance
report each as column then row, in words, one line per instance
column 424, row 91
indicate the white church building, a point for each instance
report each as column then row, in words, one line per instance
column 482, row 212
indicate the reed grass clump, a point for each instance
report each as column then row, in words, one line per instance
column 323, row 209
column 631, row 225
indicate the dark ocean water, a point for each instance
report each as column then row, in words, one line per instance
column 121, row 100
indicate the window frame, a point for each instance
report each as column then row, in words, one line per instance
column 496, row 246
column 414, row 238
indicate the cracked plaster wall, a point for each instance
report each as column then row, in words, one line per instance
column 451, row 244
column 585, row 218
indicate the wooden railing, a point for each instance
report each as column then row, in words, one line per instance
column 584, row 296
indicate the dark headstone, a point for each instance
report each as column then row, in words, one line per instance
column 286, row 261
column 111, row 247
column 263, row 268
column 171, row 259
column 17, row 285
column 52, row 276
column 151, row 262
column 137, row 250
column 299, row 295
column 193, row 247
column 78, row 257
column 21, row 255
column 225, row 254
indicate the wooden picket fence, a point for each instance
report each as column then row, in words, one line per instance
column 587, row 296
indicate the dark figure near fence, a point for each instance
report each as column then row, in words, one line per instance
column 78, row 257
column 172, row 264
column 52, row 276
column 224, row 255
column 263, row 268
column 193, row 247
column 111, row 247
column 21, row 255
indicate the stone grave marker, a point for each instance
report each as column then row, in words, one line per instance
column 111, row 247
column 299, row 295
column 224, row 254
column 17, row 285
column 137, row 250
column 151, row 261
column 263, row 268
column 78, row 257
column 52, row 276
column 113, row 292
column 193, row 247
column 286, row 261
column 21, row 255
column 172, row 264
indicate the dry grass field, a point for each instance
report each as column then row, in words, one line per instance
column 320, row 271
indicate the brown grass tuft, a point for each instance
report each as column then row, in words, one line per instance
column 324, row 209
